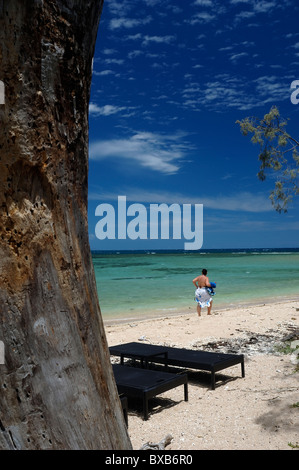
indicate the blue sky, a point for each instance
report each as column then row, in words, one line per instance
column 170, row 79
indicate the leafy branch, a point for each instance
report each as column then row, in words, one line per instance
column 278, row 154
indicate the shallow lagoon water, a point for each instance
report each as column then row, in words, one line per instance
column 139, row 284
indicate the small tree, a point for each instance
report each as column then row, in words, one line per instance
column 278, row 154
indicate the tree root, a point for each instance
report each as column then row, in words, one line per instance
column 159, row 446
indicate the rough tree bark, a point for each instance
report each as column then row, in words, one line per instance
column 56, row 387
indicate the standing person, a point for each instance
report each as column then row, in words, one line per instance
column 202, row 296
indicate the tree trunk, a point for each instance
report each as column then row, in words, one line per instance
column 56, row 387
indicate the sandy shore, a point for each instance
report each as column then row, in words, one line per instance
column 252, row 413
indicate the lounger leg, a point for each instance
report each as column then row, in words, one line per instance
column 243, row 368
column 213, row 380
column 186, row 391
column 145, row 406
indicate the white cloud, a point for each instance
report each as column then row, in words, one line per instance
column 244, row 15
column 158, row 39
column 114, row 61
column 134, row 37
column 103, row 73
column 109, row 51
column 234, row 2
column 257, row 7
column 228, row 91
column 263, row 6
column 203, row 17
column 260, row 6
column 147, row 40
column 244, row 201
column 236, row 57
column 106, row 110
column 153, row 151
column 204, row 3
column 135, row 53
column 238, row 202
column 128, row 23
column 271, row 88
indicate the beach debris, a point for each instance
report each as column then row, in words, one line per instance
column 294, row 344
column 159, row 446
column 294, row 358
column 143, row 338
column 271, row 342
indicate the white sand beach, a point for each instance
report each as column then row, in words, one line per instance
column 258, row 412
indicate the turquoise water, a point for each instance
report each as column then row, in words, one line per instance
column 134, row 285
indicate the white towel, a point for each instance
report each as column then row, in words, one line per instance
column 202, row 297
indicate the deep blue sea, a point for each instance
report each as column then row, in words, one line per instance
column 133, row 285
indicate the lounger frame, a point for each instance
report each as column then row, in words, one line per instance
column 146, row 384
column 179, row 357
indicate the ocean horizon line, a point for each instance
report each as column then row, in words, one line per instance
column 207, row 250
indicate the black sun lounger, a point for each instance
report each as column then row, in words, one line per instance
column 187, row 358
column 146, row 384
